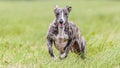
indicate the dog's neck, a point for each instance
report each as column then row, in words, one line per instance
column 61, row 31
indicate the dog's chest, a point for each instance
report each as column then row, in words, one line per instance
column 61, row 41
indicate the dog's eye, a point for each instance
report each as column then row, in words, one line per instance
column 57, row 14
column 65, row 14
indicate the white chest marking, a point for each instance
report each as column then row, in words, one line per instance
column 61, row 40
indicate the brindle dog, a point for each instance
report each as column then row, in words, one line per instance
column 65, row 35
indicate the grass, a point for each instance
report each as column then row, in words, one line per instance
column 23, row 28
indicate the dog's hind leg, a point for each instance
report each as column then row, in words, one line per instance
column 82, row 46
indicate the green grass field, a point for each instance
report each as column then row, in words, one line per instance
column 23, row 28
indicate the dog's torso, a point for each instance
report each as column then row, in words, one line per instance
column 60, row 37
column 70, row 31
column 61, row 41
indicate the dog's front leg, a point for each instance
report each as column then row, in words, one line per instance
column 49, row 44
column 67, row 48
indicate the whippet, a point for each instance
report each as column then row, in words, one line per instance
column 65, row 35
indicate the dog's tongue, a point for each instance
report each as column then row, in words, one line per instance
column 61, row 25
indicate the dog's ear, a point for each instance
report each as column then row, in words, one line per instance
column 56, row 7
column 69, row 8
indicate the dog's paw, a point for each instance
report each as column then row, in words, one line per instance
column 62, row 56
column 54, row 58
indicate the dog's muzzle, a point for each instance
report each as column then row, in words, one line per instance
column 61, row 23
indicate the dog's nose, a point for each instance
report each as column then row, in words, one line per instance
column 61, row 21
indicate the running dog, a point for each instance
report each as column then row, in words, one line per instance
column 65, row 35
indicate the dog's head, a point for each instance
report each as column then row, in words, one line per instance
column 61, row 15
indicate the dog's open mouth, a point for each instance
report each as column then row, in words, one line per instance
column 61, row 26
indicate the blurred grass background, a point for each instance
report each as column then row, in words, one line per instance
column 24, row 24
